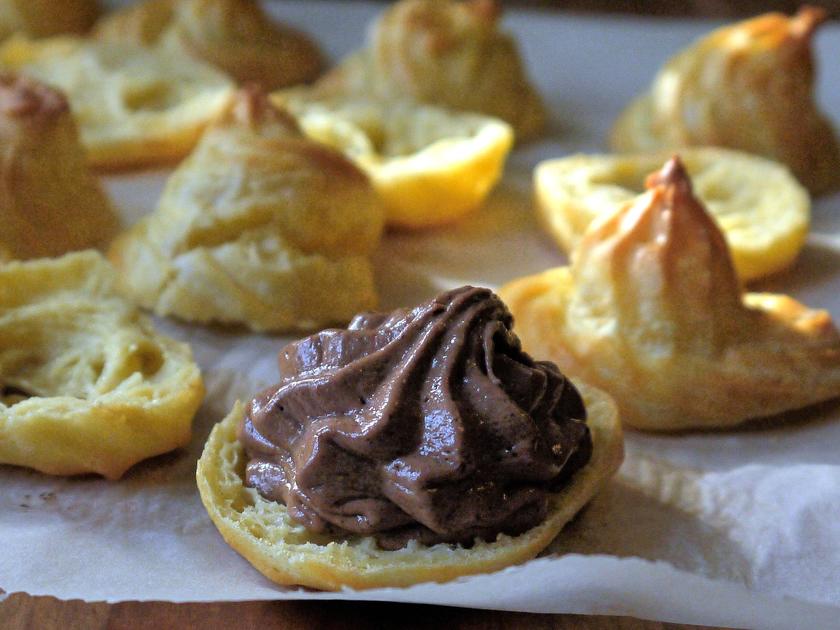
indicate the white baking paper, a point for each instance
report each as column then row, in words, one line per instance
column 739, row 528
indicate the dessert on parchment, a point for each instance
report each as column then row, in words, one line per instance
column 50, row 203
column 748, row 86
column 430, row 165
column 447, row 53
column 86, row 384
column 652, row 311
column 45, row 18
column 416, row 445
column 759, row 206
column 260, row 226
column 133, row 106
column 236, row 36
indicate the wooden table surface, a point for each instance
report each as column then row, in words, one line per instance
column 45, row 613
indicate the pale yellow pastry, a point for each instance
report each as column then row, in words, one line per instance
column 285, row 552
column 233, row 35
column 259, row 226
column 44, row 18
column 430, row 165
column 86, row 385
column 133, row 106
column 50, row 203
column 651, row 310
column 444, row 53
column 759, row 206
column 748, row 86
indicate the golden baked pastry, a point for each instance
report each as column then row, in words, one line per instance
column 233, row 35
column 747, row 86
column 50, row 203
column 259, row 226
column 444, row 53
column 287, row 553
column 430, row 165
column 759, row 206
column 133, row 106
column 651, row 310
column 44, row 18
column 86, row 385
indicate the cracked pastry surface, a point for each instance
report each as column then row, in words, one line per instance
column 233, row 35
column 430, row 165
column 44, row 18
column 652, row 311
column 759, row 206
column 133, row 106
column 416, row 445
column 86, row 385
column 747, row 86
column 446, row 53
column 50, row 203
column 259, row 226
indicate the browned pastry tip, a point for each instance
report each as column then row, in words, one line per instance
column 488, row 11
column 673, row 173
column 22, row 97
column 806, row 21
column 251, row 106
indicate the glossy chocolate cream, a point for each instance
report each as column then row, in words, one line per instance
column 428, row 424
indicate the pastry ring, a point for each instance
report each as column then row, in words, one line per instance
column 86, row 385
column 287, row 553
column 430, row 165
column 759, row 206
column 133, row 106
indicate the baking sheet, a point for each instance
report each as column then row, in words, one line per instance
column 740, row 528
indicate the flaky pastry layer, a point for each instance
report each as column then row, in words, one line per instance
column 234, row 35
column 446, row 53
column 50, row 202
column 748, row 86
column 259, row 226
column 652, row 311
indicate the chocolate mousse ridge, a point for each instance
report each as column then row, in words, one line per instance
column 428, row 424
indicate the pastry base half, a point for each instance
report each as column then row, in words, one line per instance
column 286, row 553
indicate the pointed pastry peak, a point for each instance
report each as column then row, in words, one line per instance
column 22, row 97
column 251, row 106
column 488, row 11
column 806, row 21
column 672, row 174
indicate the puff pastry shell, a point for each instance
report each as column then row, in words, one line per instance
column 747, row 86
column 285, row 552
column 133, row 106
column 233, row 35
column 759, row 206
column 259, row 226
column 86, row 385
column 430, row 165
column 444, row 53
column 50, row 203
column 651, row 310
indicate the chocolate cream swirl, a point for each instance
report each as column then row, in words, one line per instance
column 428, row 424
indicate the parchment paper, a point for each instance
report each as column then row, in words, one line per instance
column 740, row 528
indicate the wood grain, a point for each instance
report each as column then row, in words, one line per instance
column 46, row 613
column 720, row 9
